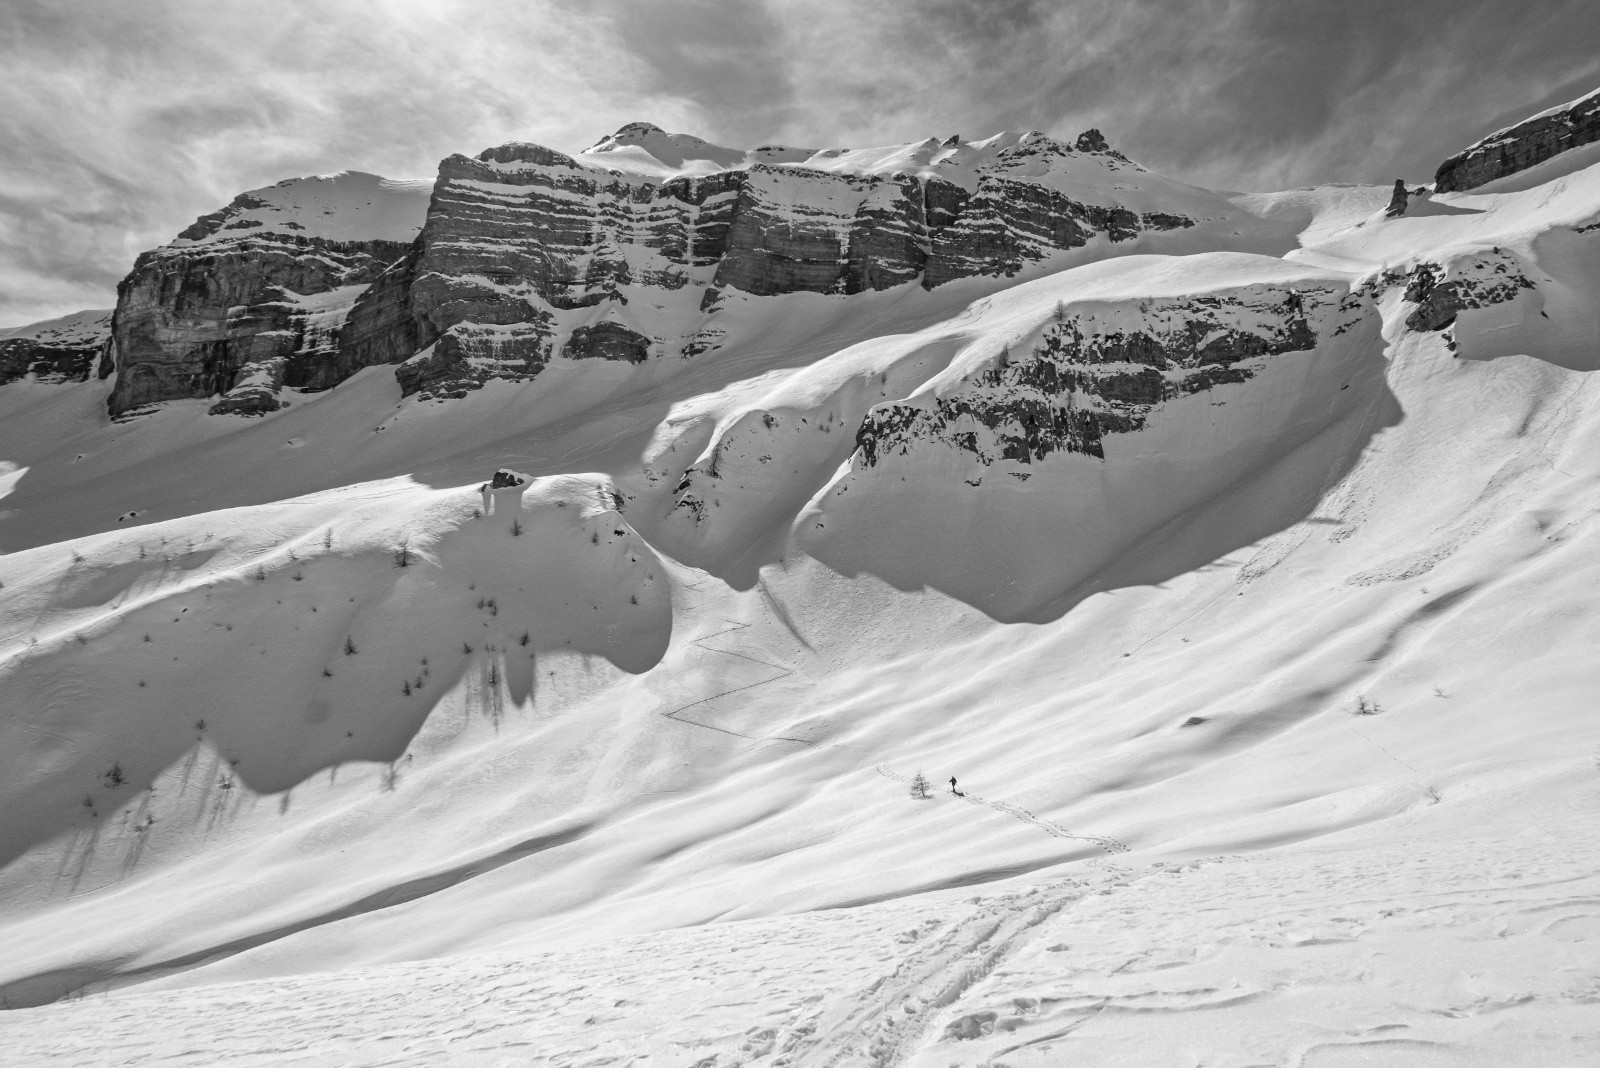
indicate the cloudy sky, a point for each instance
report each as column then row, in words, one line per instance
column 122, row 120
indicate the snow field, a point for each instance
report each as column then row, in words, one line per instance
column 1321, row 658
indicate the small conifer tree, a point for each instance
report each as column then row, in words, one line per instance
column 919, row 787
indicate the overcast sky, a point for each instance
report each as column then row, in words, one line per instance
column 122, row 120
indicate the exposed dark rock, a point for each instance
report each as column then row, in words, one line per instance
column 1436, row 304
column 1476, row 281
column 470, row 354
column 191, row 320
column 521, row 235
column 255, row 398
column 1524, row 145
column 380, row 327
column 1082, row 382
column 942, row 203
column 206, row 225
column 505, row 478
column 1092, row 141
column 1398, row 202
column 607, row 341
column 23, row 356
column 62, row 350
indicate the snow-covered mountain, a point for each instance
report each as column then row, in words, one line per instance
column 63, row 349
column 630, row 251
column 539, row 672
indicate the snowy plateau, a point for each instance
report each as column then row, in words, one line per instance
column 501, row 620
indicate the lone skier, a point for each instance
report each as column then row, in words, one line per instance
column 953, row 786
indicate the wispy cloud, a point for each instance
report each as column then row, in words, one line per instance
column 120, row 122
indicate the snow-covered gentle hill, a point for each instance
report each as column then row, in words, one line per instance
column 1239, row 573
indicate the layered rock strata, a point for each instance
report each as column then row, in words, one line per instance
column 1527, row 144
column 253, row 298
column 57, row 350
column 622, row 253
column 529, row 253
column 1097, row 373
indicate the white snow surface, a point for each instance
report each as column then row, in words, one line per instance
column 1275, row 726
column 646, row 153
column 76, row 328
column 347, row 206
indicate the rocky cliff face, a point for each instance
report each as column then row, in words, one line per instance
column 1524, row 145
column 57, row 350
column 253, row 298
column 1099, row 372
column 529, row 253
column 627, row 252
column 624, row 252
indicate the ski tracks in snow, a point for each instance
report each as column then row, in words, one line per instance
column 900, row 1013
column 700, row 643
column 1110, row 845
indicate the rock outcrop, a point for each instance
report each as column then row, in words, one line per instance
column 1473, row 278
column 56, row 350
column 624, row 252
column 1399, row 201
column 1101, row 372
column 529, row 253
column 1528, row 143
column 252, row 298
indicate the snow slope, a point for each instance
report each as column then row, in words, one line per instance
column 347, row 206
column 84, row 327
column 1274, row 719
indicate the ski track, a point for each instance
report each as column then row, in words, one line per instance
column 892, row 1018
column 783, row 673
column 1110, row 845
